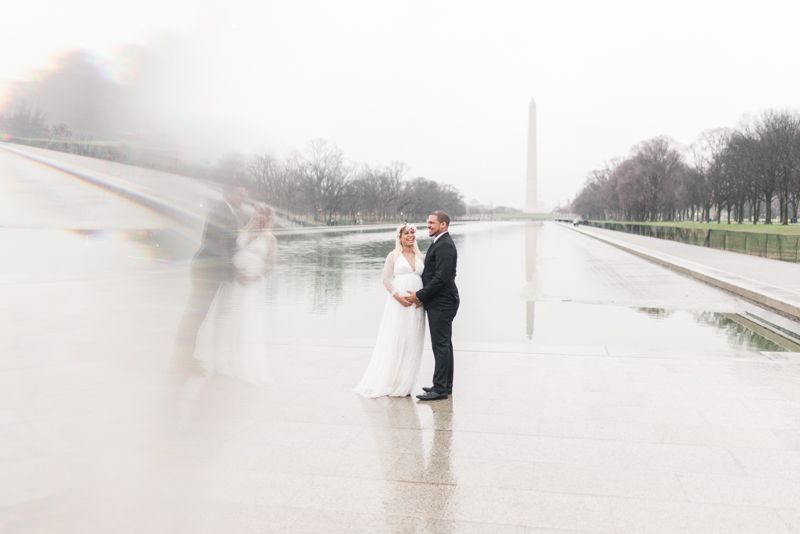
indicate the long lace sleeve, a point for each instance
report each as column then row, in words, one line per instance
column 388, row 273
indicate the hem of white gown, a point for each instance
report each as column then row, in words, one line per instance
column 377, row 395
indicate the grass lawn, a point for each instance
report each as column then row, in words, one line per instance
column 792, row 229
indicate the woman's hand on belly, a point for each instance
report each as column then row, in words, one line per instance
column 403, row 300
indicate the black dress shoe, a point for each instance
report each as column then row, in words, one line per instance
column 431, row 396
column 428, row 390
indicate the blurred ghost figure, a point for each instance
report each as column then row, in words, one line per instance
column 211, row 267
column 232, row 341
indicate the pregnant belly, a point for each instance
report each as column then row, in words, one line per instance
column 407, row 283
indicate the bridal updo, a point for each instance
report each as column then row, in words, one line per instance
column 262, row 220
column 398, row 249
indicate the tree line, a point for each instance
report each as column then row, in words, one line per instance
column 749, row 173
column 321, row 184
column 26, row 124
column 318, row 183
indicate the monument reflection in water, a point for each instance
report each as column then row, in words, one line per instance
column 530, row 271
column 521, row 283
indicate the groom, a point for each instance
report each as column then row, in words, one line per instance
column 212, row 265
column 439, row 294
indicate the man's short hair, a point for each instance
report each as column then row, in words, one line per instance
column 230, row 185
column 442, row 217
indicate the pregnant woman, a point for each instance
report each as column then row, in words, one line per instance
column 395, row 362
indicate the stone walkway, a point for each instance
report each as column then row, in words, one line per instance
column 529, row 442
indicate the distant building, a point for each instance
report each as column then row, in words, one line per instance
column 476, row 209
column 506, row 209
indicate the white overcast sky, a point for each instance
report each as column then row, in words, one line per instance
column 445, row 86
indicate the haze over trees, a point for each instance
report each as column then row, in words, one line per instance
column 748, row 173
column 122, row 122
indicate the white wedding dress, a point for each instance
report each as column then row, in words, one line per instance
column 394, row 367
column 232, row 340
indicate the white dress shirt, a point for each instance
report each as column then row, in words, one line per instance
column 438, row 236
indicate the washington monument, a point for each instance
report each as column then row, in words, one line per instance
column 531, row 201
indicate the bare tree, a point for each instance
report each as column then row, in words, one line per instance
column 659, row 164
column 779, row 133
column 390, row 183
column 325, row 175
column 267, row 177
column 707, row 160
column 599, row 197
column 738, row 166
column 60, row 137
column 26, row 123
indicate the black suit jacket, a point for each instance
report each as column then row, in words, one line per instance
column 439, row 290
column 214, row 259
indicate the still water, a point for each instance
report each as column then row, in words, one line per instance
column 528, row 283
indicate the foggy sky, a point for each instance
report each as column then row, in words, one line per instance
column 441, row 86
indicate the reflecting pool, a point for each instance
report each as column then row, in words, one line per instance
column 519, row 283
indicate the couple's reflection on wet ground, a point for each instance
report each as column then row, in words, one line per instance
column 421, row 432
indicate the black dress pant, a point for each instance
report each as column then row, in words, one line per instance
column 440, row 324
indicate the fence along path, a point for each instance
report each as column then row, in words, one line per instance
column 772, row 246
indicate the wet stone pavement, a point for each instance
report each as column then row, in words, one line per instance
column 575, row 430
column 529, row 442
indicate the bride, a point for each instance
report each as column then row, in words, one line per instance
column 396, row 358
column 232, row 340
